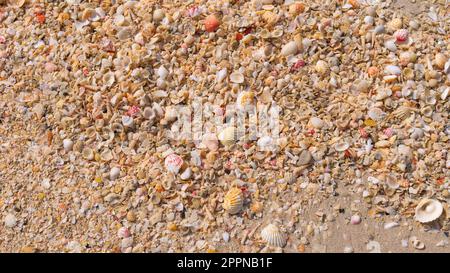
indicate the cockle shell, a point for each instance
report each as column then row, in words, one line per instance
column 272, row 235
column 428, row 210
column 233, row 201
column 341, row 146
column 114, row 173
column 290, row 48
column 236, row 77
column 227, row 136
column 401, row 35
column 173, row 163
column 403, row 112
column 245, row 100
column 67, row 144
column 87, row 153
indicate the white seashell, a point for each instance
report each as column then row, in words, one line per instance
column 233, row 201
column 90, row 14
column 447, row 67
column 114, row 173
column 390, row 45
column 290, row 48
column 237, row 77
column 106, row 155
column 123, row 232
column 108, row 79
column 173, row 163
column 317, row 122
column 272, row 235
column 221, row 75
column 391, row 225
column 427, row 111
column 392, row 70
column 67, row 144
column 428, row 210
column 342, row 146
column 379, row 29
column 162, row 72
column 10, row 220
column 158, row 15
column 430, row 100
column 391, row 181
column 375, row 113
column 227, row 136
column 368, row 20
column 186, row 174
column 127, row 121
column 416, row 243
column 322, row 67
column 444, row 94
column 416, row 133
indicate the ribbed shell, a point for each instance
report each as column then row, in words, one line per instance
column 233, row 201
column 272, row 235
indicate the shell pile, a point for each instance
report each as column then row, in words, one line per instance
column 121, row 129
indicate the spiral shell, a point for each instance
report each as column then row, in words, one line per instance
column 428, row 210
column 233, row 201
column 272, row 235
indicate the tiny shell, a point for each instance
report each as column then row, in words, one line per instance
column 237, row 77
column 106, row 155
column 88, row 153
column 375, row 113
column 392, row 70
column 290, row 48
column 322, row 67
column 272, row 235
column 211, row 23
column 67, row 144
column 233, row 201
column 162, row 72
column 401, row 35
column 265, row 143
column 108, row 79
column 149, row 113
column 114, row 173
column 127, row 121
column 390, row 44
column 342, row 146
column 210, row 141
column 173, row 163
column 317, row 122
column 440, row 60
column 186, row 174
column 391, row 181
column 428, row 210
column 244, row 100
column 227, row 136
column 158, row 15
column 416, row 243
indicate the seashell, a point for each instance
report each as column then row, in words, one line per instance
column 173, row 163
column 265, row 34
column 272, row 235
column 186, row 174
column 106, row 155
column 427, row 111
column 440, row 60
column 90, row 15
column 390, row 45
column 124, row 33
column 395, row 24
column 211, row 23
column 392, row 70
column 16, row 3
column 233, row 201
column 379, row 29
column 361, row 85
column 277, row 33
column 127, row 121
column 67, row 144
column 108, row 79
column 430, row 99
column 428, row 210
column 237, row 77
column 227, row 136
column 404, row 150
column 322, row 67
column 245, row 100
column 221, row 75
column 408, row 74
column 158, row 15
column 341, row 146
column 401, row 35
column 376, row 113
column 149, row 113
column 447, row 67
column 368, row 20
column 391, row 181
column 296, row 8
column 117, row 127
column 416, row 243
column 403, row 112
column 265, row 143
column 87, row 153
column 405, row 58
column 444, row 93
column 114, row 173
column 304, row 158
column 210, row 141
column 317, row 122
column 123, row 232
column 162, row 72
column 416, row 133
column 290, row 48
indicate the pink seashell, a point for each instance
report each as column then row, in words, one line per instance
column 388, row 132
column 2, row 39
column 123, row 232
column 173, row 163
column 401, row 35
column 133, row 111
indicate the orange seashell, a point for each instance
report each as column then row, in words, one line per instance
column 372, row 71
column 211, row 23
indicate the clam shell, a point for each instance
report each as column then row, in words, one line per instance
column 87, row 153
column 108, row 79
column 227, row 136
column 149, row 113
column 114, row 173
column 290, row 48
column 440, row 60
column 237, row 77
column 162, row 72
column 341, row 146
column 427, row 111
column 272, row 235
column 233, row 201
column 392, row 70
column 428, row 210
column 173, row 163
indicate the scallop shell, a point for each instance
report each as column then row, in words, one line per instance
column 341, row 146
column 87, row 153
column 403, row 112
column 290, row 48
column 237, row 77
column 233, row 201
column 272, row 235
column 173, row 163
column 227, row 136
column 428, row 210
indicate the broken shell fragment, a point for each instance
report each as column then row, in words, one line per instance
column 428, row 210
column 272, row 235
column 233, row 201
column 236, row 77
column 244, row 100
column 317, row 122
column 87, row 153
